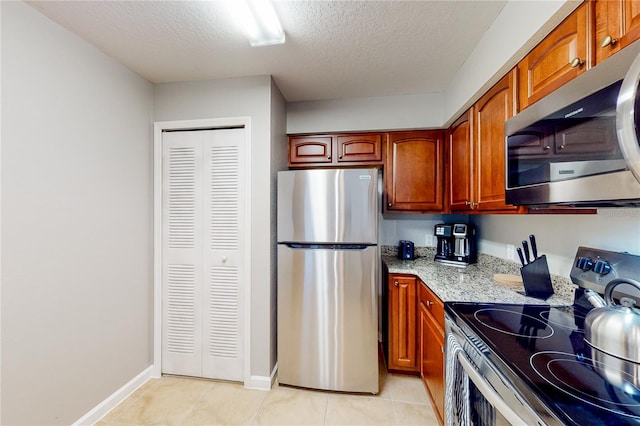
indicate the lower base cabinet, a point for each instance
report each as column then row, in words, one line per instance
column 415, row 334
column 402, row 293
column 432, row 361
column 431, row 354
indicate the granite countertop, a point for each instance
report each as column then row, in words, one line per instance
column 473, row 283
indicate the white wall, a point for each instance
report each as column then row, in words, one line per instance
column 558, row 236
column 379, row 113
column 279, row 161
column 416, row 228
column 76, row 222
column 250, row 96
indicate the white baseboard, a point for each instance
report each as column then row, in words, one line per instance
column 262, row 382
column 100, row 410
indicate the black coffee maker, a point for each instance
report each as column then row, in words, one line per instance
column 456, row 244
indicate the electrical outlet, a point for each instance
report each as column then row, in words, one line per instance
column 511, row 252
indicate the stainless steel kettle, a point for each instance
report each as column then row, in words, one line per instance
column 611, row 328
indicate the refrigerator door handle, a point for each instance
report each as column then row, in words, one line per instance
column 328, row 246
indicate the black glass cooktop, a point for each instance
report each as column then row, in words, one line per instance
column 545, row 347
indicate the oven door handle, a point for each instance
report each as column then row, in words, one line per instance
column 488, row 392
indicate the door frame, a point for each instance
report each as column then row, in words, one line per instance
column 200, row 124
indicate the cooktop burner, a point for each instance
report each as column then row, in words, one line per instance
column 577, row 322
column 578, row 376
column 502, row 320
column 544, row 346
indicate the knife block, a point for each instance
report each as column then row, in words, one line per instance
column 536, row 278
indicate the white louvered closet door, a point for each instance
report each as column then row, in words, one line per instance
column 202, row 270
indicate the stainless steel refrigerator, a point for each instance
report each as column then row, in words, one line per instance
column 328, row 274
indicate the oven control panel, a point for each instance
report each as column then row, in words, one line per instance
column 594, row 268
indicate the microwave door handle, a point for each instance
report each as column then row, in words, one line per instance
column 489, row 393
column 625, row 118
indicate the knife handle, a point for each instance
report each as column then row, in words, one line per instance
column 519, row 250
column 525, row 247
column 534, row 246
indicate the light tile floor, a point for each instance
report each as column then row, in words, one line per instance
column 402, row 400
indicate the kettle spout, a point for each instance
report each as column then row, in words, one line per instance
column 595, row 299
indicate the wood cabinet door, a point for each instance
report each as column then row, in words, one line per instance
column 490, row 114
column 310, row 149
column 432, row 361
column 561, row 56
column 402, row 323
column 460, row 164
column 359, row 148
column 617, row 24
column 414, row 171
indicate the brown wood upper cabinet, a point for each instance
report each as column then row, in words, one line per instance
column 413, row 170
column 477, row 152
column 617, row 25
column 403, row 299
column 564, row 54
column 335, row 150
column 460, row 179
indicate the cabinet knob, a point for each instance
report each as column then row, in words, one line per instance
column 224, row 259
column 340, row 156
column 547, row 148
column 395, row 283
column 328, row 157
column 389, row 205
column 467, row 203
column 562, row 146
column 576, row 62
column 608, row 41
column 474, row 205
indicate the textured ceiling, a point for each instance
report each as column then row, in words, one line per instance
column 334, row 49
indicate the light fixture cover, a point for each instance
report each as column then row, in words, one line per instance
column 259, row 20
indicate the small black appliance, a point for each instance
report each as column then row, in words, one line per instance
column 456, row 244
column 406, row 250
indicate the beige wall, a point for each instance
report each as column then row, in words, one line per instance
column 76, row 222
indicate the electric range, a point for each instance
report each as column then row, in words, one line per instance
column 536, row 357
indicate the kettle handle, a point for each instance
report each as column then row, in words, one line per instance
column 608, row 291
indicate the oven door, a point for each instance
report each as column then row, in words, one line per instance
column 486, row 407
column 477, row 393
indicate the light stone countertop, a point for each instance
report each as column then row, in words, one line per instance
column 473, row 283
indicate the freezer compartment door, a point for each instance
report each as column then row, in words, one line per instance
column 325, row 206
column 328, row 318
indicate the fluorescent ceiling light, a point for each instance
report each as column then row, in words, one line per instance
column 259, row 21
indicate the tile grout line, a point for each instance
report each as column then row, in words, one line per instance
column 195, row 404
column 130, row 397
column 255, row 415
column 393, row 409
column 326, row 408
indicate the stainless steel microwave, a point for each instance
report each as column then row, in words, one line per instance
column 579, row 145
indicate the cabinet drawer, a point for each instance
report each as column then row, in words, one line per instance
column 431, row 303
